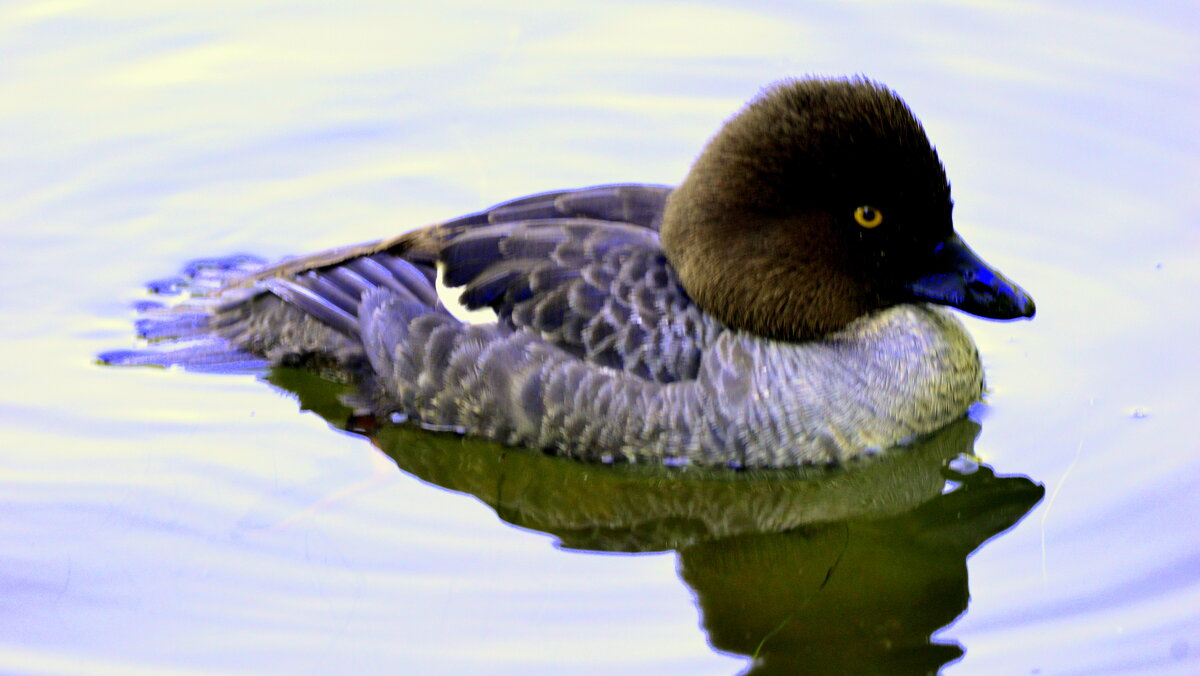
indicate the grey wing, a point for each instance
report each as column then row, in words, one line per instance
column 582, row 269
column 600, row 289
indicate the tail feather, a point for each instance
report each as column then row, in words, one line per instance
column 170, row 325
column 179, row 324
column 209, row 319
column 209, row 355
column 320, row 308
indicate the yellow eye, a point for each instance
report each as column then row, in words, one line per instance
column 868, row 217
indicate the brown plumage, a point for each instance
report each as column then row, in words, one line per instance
column 761, row 231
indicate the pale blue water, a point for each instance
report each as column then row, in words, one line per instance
column 164, row 522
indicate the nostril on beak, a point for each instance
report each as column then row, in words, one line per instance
column 980, row 288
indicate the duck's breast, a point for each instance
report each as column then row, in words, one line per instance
column 886, row 378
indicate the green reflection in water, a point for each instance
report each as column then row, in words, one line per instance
column 808, row 570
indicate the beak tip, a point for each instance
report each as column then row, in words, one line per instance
column 1014, row 304
column 1024, row 307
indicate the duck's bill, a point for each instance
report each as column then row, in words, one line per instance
column 958, row 278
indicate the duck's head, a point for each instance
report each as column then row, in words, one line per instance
column 819, row 202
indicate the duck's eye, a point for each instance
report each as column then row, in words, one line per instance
column 868, row 217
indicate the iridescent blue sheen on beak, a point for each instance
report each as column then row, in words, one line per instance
column 957, row 277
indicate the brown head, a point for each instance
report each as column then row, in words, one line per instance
column 819, row 202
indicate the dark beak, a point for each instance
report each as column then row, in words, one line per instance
column 958, row 278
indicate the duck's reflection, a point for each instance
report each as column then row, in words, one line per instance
column 858, row 596
column 806, row 571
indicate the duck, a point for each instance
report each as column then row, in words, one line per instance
column 787, row 304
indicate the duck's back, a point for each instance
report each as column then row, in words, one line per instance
column 582, row 269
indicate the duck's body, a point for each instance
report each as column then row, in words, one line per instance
column 771, row 330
